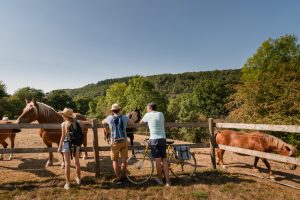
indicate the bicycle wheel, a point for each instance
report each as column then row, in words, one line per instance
column 139, row 168
column 182, row 168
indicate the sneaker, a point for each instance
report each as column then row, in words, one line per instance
column 67, row 186
column 168, row 183
column 158, row 180
column 78, row 181
column 117, row 180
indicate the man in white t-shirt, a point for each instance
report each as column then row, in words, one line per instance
column 158, row 144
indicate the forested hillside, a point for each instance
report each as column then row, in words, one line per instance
column 167, row 84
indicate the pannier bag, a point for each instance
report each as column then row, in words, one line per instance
column 183, row 152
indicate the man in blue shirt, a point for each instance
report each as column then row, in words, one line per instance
column 117, row 124
column 158, row 144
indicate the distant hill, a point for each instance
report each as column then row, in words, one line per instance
column 169, row 84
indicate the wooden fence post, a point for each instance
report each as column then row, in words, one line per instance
column 212, row 143
column 96, row 148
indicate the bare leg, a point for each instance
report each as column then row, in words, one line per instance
column 77, row 165
column 123, row 167
column 158, row 167
column 166, row 169
column 63, row 161
column 116, row 168
column 67, row 156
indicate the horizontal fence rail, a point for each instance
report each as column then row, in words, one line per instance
column 269, row 156
column 263, row 127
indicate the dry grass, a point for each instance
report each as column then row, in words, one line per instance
column 26, row 178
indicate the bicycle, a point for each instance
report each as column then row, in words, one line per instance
column 140, row 165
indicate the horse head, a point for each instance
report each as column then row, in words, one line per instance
column 288, row 150
column 30, row 112
column 135, row 115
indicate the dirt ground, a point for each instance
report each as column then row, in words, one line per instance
column 25, row 177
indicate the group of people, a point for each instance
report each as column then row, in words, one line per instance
column 119, row 145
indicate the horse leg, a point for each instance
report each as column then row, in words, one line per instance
column 12, row 145
column 131, row 142
column 269, row 169
column 4, row 144
column 220, row 154
column 85, row 156
column 255, row 164
column 50, row 160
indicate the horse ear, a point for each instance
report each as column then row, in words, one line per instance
column 34, row 101
column 26, row 101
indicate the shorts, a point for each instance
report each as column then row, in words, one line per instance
column 158, row 147
column 66, row 147
column 119, row 148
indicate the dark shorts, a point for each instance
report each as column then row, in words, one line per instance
column 158, row 148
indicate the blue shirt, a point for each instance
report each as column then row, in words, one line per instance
column 156, row 124
column 112, row 126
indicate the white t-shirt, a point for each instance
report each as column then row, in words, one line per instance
column 156, row 124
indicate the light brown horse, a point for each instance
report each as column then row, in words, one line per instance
column 7, row 133
column 256, row 141
column 46, row 114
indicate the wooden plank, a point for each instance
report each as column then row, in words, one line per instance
column 212, row 143
column 96, row 148
column 32, row 126
column 269, row 156
column 263, row 127
column 38, row 150
column 89, row 149
column 186, row 125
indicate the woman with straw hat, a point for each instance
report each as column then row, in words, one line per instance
column 64, row 146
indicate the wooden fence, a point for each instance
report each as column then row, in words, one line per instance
column 211, row 125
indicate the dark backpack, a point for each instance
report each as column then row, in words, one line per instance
column 75, row 135
column 120, row 131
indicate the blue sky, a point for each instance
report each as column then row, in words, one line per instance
column 56, row 44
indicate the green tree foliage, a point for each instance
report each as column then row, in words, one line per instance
column 269, row 92
column 140, row 92
column 2, row 90
column 59, row 99
column 82, row 104
column 29, row 93
column 182, row 108
column 116, row 94
column 210, row 98
column 97, row 108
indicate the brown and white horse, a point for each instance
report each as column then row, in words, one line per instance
column 255, row 141
column 136, row 117
column 7, row 133
column 36, row 111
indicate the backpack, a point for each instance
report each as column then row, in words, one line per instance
column 119, row 134
column 75, row 135
column 183, row 152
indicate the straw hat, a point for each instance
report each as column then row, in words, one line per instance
column 5, row 119
column 115, row 106
column 68, row 113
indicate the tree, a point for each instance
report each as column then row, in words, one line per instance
column 269, row 92
column 210, row 98
column 140, row 92
column 82, row 104
column 29, row 93
column 2, row 90
column 59, row 99
column 116, row 94
column 97, row 108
